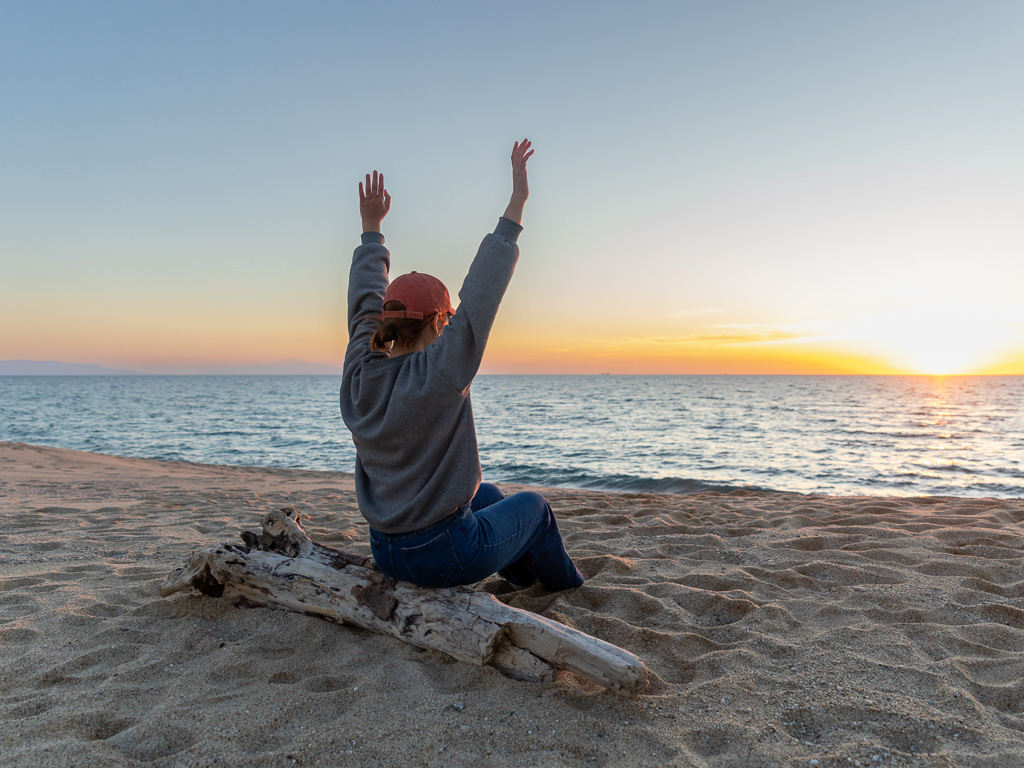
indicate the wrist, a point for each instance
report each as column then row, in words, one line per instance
column 371, row 225
column 514, row 211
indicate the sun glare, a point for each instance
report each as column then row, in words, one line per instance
column 938, row 340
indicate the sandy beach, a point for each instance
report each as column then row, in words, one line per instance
column 779, row 630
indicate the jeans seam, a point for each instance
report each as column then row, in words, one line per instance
column 510, row 536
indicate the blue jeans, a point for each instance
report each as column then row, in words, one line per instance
column 516, row 537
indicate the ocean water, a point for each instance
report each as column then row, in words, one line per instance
column 875, row 435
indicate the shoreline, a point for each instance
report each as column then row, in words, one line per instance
column 778, row 628
column 708, row 486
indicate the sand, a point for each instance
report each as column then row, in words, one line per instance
column 779, row 629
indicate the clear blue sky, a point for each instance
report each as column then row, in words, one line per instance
column 714, row 183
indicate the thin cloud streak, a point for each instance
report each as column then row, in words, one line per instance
column 679, row 313
column 741, row 333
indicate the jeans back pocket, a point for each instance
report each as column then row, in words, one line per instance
column 434, row 563
column 381, row 550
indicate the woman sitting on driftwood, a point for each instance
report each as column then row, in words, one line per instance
column 408, row 368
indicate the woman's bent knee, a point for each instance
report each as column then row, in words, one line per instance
column 533, row 499
column 486, row 495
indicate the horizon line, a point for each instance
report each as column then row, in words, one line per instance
column 130, row 374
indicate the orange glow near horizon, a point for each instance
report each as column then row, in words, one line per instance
column 936, row 342
column 883, row 345
column 162, row 339
column 554, row 361
column 657, row 356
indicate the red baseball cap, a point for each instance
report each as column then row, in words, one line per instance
column 423, row 296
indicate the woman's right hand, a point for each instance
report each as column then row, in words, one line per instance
column 520, row 185
column 521, row 152
column 374, row 202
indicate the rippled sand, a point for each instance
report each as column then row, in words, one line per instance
column 779, row 629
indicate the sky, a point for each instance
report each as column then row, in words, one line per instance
column 741, row 187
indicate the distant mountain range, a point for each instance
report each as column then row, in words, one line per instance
column 54, row 368
column 287, row 367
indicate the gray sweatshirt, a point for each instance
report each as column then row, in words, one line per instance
column 411, row 418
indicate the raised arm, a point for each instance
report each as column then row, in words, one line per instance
column 520, row 188
column 368, row 276
column 374, row 202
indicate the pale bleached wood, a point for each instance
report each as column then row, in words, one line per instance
column 283, row 567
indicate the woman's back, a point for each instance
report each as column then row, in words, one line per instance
column 410, row 416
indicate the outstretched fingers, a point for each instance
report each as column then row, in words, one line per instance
column 374, row 187
column 521, row 152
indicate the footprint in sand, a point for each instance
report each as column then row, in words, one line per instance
column 1002, row 613
column 283, row 678
column 97, row 725
column 86, row 568
column 46, row 546
column 7, row 585
column 99, row 610
column 32, row 706
column 710, row 742
column 148, row 742
column 19, row 636
column 93, row 665
column 1013, row 591
column 15, row 605
column 829, row 725
column 327, row 684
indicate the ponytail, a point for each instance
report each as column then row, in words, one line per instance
column 401, row 330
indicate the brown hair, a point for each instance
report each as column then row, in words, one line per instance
column 399, row 329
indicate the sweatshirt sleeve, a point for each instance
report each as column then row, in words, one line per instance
column 367, row 282
column 458, row 353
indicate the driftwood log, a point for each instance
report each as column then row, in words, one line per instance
column 284, row 568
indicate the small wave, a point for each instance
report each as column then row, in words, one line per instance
column 886, row 433
column 1007, row 472
column 576, row 478
column 225, row 433
column 953, row 468
column 278, row 441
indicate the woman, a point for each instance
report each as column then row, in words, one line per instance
column 405, row 397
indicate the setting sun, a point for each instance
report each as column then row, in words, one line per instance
column 936, row 340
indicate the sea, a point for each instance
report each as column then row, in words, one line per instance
column 845, row 435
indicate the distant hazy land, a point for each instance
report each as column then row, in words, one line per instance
column 56, row 368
